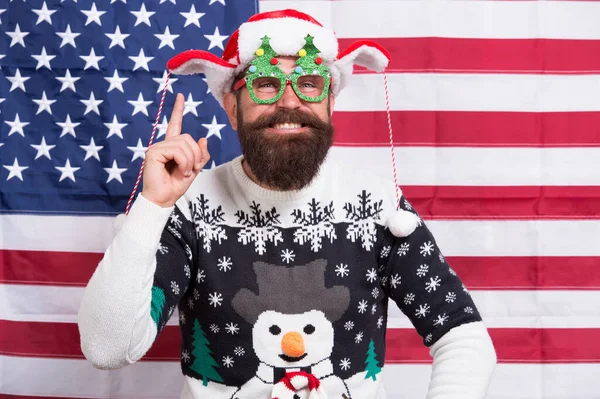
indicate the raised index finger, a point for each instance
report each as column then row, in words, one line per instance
column 174, row 126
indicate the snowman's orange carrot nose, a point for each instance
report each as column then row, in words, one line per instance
column 292, row 344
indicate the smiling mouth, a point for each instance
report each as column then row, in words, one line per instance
column 292, row 359
column 287, row 126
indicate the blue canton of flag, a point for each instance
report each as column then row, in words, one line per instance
column 81, row 86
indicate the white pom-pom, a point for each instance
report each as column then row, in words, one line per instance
column 402, row 223
column 119, row 222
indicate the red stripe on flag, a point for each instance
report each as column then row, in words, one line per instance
column 505, row 202
column 440, row 54
column 551, row 345
column 468, row 128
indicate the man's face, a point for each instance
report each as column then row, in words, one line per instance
column 284, row 143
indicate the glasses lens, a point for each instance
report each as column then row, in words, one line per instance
column 266, row 88
column 311, row 86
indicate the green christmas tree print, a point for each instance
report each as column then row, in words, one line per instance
column 309, row 61
column 204, row 364
column 265, row 63
column 372, row 368
column 157, row 305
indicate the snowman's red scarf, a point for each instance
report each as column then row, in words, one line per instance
column 296, row 381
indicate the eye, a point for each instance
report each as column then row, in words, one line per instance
column 309, row 329
column 275, row 330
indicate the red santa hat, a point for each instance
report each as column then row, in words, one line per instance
column 287, row 30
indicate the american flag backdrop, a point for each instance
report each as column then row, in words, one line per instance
column 496, row 116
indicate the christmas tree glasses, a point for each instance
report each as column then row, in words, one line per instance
column 266, row 82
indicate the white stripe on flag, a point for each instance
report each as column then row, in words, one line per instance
column 471, row 92
column 506, row 309
column 463, row 19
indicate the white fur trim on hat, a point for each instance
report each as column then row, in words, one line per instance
column 287, row 38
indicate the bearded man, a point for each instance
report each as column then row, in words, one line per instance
column 282, row 262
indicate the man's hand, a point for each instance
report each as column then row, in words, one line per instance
column 172, row 165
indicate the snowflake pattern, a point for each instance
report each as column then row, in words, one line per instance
column 188, row 252
column 215, row 299
column 188, row 272
column 196, row 294
column 185, row 356
column 175, row 287
column 349, row 325
column 224, row 264
column 345, row 364
column 162, row 249
column 374, row 308
column 181, row 318
column 403, row 249
column 175, row 221
column 422, row 270
column 174, row 232
column 190, row 303
column 375, row 292
column 442, row 259
column 380, row 322
column 239, row 351
column 362, row 220
column 259, row 227
column 441, row 319
column 171, row 310
column 341, row 270
column 287, row 256
column 214, row 328
column 450, row 297
column 315, row 224
column 359, row 337
column 362, row 306
column 372, row 275
column 206, row 222
column 426, row 248
column 428, row 338
column 232, row 328
column 422, row 311
column 433, row 283
column 385, row 251
column 395, row 280
column 407, row 205
column 201, row 276
column 228, row 361
column 384, row 280
column 409, row 298
column 451, row 271
column 469, row 310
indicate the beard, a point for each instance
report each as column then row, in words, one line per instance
column 285, row 161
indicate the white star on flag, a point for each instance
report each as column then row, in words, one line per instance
column 68, row 37
column 141, row 61
column 166, row 39
column 91, row 104
column 192, row 17
column 216, row 39
column 142, row 16
column 114, row 128
column 44, row 14
column 68, row 126
column 17, row 36
column 114, row 172
column 18, row 81
column 16, row 126
column 214, row 128
column 43, row 59
column 91, row 61
column 116, row 82
column 217, row 1
column 91, row 150
column 190, row 105
column 44, row 104
column 162, row 127
column 68, row 82
column 67, row 171
column 117, row 38
column 15, row 170
column 161, row 82
column 43, row 149
column 139, row 151
column 140, row 105
column 93, row 15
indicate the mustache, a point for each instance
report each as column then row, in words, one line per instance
column 288, row 116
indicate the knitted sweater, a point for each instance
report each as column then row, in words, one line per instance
column 272, row 284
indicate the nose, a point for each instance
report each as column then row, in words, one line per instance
column 289, row 99
column 292, row 344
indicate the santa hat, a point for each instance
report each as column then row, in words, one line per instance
column 287, row 30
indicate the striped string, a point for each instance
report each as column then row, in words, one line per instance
column 137, row 182
column 389, row 118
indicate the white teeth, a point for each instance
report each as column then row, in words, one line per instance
column 288, row 126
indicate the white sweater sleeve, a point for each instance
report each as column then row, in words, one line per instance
column 463, row 363
column 114, row 320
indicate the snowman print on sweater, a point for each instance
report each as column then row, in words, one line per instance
column 293, row 336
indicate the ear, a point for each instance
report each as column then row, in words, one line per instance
column 230, row 105
column 331, row 103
